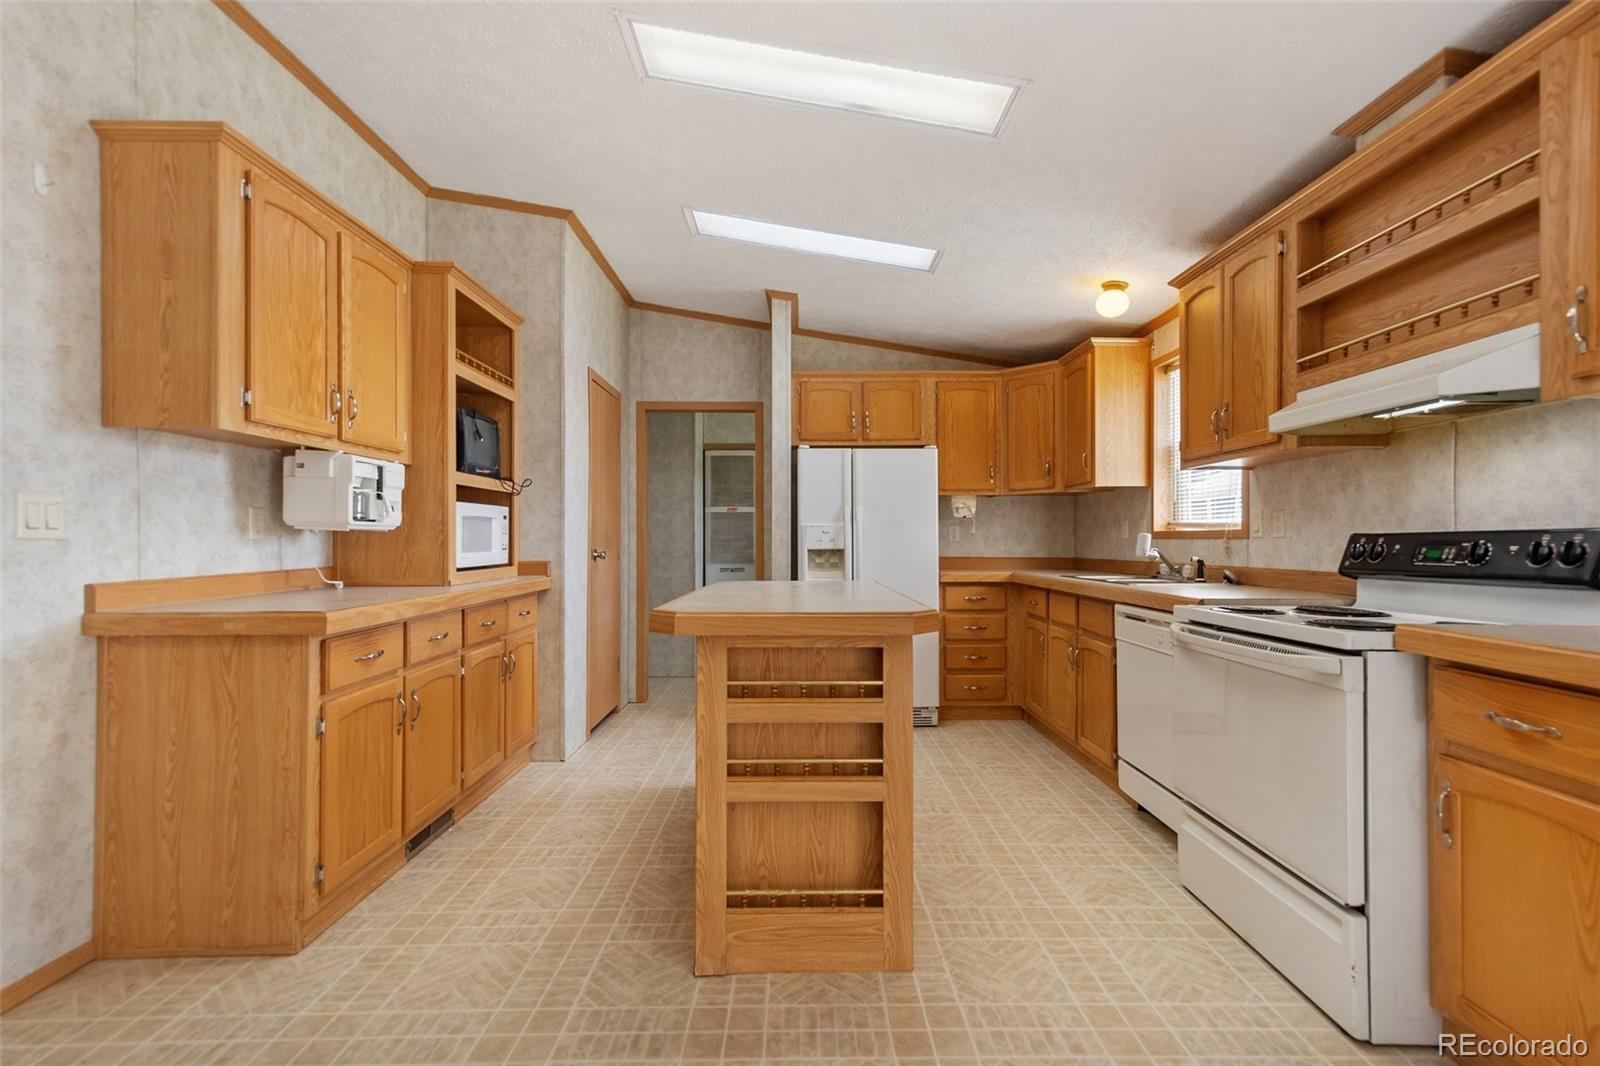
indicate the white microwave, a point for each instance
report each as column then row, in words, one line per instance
column 483, row 535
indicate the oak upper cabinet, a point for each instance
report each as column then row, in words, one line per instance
column 894, row 411
column 1105, row 420
column 374, row 346
column 360, row 735
column 1570, row 216
column 522, row 669
column 967, row 411
column 432, row 742
column 483, row 709
column 1094, row 663
column 1031, row 429
column 1252, row 344
column 1035, row 666
column 827, row 411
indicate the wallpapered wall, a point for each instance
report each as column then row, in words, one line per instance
column 132, row 505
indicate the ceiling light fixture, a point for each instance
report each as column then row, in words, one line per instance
column 1113, row 299
column 815, row 241
column 824, row 81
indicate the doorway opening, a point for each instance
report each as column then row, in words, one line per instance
column 701, row 515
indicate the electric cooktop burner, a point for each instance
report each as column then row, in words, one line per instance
column 1366, row 625
column 1252, row 610
column 1335, row 611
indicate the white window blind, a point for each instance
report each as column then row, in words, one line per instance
column 1199, row 498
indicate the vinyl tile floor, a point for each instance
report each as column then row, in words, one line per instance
column 554, row 925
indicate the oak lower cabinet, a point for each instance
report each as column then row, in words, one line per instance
column 1035, row 666
column 1096, row 725
column 1077, row 704
column 974, row 646
column 253, row 785
column 1060, row 683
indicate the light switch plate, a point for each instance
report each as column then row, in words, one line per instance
column 41, row 516
column 1278, row 526
column 955, row 532
column 257, row 523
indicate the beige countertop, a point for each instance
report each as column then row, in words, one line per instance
column 1565, row 655
column 794, row 608
column 1158, row 595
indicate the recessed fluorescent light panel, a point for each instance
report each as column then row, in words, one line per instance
column 825, row 81
column 815, row 241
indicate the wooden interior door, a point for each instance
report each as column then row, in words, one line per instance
column 361, row 774
column 1200, row 366
column 374, row 346
column 892, row 411
column 826, row 411
column 1035, row 666
column 1252, row 322
column 1097, row 699
column 1061, row 685
column 483, row 711
column 292, row 268
column 522, row 668
column 1514, row 898
column 1077, row 422
column 432, row 742
column 605, row 550
column 967, row 416
column 1030, row 428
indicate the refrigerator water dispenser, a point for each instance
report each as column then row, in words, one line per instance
column 824, row 552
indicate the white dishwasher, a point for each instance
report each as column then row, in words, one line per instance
column 1145, row 701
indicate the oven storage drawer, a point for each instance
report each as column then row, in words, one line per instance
column 1317, row 944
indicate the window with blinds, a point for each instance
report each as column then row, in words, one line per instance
column 1195, row 499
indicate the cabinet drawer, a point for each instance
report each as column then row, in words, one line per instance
column 358, row 656
column 522, row 613
column 974, row 597
column 1462, row 702
column 1033, row 602
column 484, row 623
column 975, row 625
column 1063, row 609
column 975, row 688
column 966, row 657
column 1097, row 616
column 433, row 636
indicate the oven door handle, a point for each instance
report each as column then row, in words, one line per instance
column 1256, row 652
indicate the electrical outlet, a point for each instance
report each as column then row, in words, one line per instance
column 41, row 516
column 257, row 523
column 1278, row 527
column 1255, row 524
column 954, row 532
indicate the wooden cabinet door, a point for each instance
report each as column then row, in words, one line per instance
column 522, row 671
column 1252, row 323
column 892, row 411
column 1097, row 699
column 374, row 346
column 361, row 772
column 1077, row 422
column 432, row 742
column 1515, row 888
column 1030, row 431
column 483, row 709
column 1200, row 367
column 826, row 411
column 292, row 268
column 1035, row 666
column 1061, row 684
column 1569, row 216
column 967, row 412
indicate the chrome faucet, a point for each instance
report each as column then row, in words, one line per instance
column 1145, row 547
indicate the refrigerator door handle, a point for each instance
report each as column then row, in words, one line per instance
column 853, row 479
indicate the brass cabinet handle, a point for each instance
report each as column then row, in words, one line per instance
column 511, row 658
column 489, row 623
column 971, row 688
column 866, row 421
column 1517, row 725
column 1438, row 814
column 338, row 401
column 975, row 599
column 1215, row 432
column 975, row 629
column 1085, row 460
column 975, row 658
column 442, row 634
column 1072, row 656
column 525, row 612
column 416, row 702
column 991, row 473
column 400, row 699
column 852, row 420
column 1047, row 465
column 355, row 408
column 1223, row 419
column 504, row 671
column 371, row 656
column 1578, row 338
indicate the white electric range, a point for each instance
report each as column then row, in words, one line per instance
column 1293, row 763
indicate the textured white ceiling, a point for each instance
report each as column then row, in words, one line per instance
column 1145, row 133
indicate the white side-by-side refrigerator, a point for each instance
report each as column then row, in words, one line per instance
column 872, row 514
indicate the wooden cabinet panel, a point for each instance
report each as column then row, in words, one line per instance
column 1252, row 316
column 1061, row 682
column 1033, row 601
column 975, row 625
column 1201, row 365
column 975, row 688
column 1098, row 617
column 1515, row 888
column 967, row 411
column 974, row 597
column 1064, row 609
column 1030, row 431
column 1536, row 726
column 522, row 669
column 522, row 613
column 1569, row 212
column 1077, row 422
column 432, row 743
column 292, row 273
column 1097, row 699
column 360, row 779
column 374, row 346
column 961, row 656
column 826, row 410
column 892, row 411
column 360, row 656
column 1035, row 666
column 484, row 623
column 431, row 637
column 482, row 712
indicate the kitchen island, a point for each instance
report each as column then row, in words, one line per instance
column 803, row 760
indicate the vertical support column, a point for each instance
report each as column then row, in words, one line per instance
column 784, row 310
column 897, row 799
column 711, row 805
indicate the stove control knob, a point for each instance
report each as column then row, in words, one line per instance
column 1572, row 553
column 1479, row 553
column 1540, row 553
column 1358, row 550
column 1378, row 550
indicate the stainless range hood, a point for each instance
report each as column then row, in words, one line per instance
column 1494, row 371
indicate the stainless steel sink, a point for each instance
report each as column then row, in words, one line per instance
column 1113, row 579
